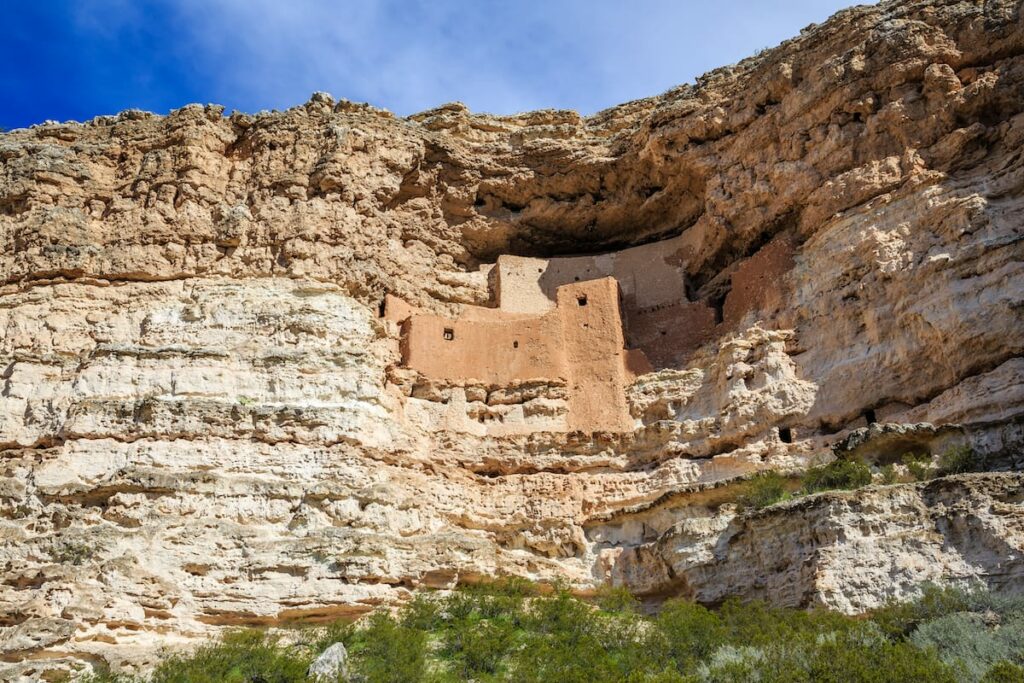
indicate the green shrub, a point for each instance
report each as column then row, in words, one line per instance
column 852, row 658
column 919, row 465
column 239, row 657
column 1004, row 672
column 965, row 639
column 567, row 640
column 423, row 612
column 102, row 675
column 506, row 632
column 384, row 651
column 959, row 460
column 686, row 633
column 729, row 664
column 481, row 647
column 481, row 625
column 898, row 619
column 762, row 490
column 889, row 474
column 758, row 624
column 625, row 636
column 981, row 600
column 617, row 599
column 838, row 474
column 320, row 638
column 666, row 676
column 501, row 598
column 514, row 586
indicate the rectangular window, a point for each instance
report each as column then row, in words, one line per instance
column 449, row 333
column 582, row 300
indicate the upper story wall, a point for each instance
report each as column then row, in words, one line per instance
column 518, row 287
column 596, row 333
column 595, row 353
column 491, row 351
column 649, row 276
column 579, row 343
column 757, row 284
column 668, row 335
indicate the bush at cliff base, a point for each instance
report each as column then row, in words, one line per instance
column 512, row 632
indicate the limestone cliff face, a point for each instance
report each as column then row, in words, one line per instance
column 206, row 421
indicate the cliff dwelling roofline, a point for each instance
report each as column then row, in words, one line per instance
column 590, row 322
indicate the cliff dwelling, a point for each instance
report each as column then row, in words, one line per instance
column 583, row 327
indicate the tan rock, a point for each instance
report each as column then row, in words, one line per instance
column 205, row 420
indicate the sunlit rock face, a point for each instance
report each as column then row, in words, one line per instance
column 209, row 416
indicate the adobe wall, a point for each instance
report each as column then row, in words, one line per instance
column 518, row 287
column 668, row 334
column 580, row 342
column 595, row 355
column 632, row 321
column 493, row 352
column 397, row 310
column 757, row 283
column 649, row 275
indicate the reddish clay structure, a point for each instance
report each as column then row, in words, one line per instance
column 592, row 323
column 579, row 342
column 494, row 352
column 668, row 334
column 757, row 281
column 595, row 355
column 658, row 318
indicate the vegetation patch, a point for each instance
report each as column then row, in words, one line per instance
column 511, row 632
column 768, row 488
column 764, row 489
column 71, row 552
column 960, row 460
column 842, row 474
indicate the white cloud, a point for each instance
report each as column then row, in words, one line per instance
column 495, row 56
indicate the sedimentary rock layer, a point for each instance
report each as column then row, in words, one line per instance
column 205, row 421
column 851, row 550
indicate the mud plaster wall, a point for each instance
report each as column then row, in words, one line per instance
column 594, row 351
column 757, row 282
column 597, row 348
column 649, row 276
column 518, row 286
column 495, row 352
column 579, row 342
column 659, row 321
column 667, row 335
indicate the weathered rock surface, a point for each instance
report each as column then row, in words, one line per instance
column 850, row 550
column 205, row 423
column 331, row 666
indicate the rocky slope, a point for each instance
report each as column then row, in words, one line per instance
column 203, row 422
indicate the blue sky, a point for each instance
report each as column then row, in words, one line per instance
column 74, row 59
